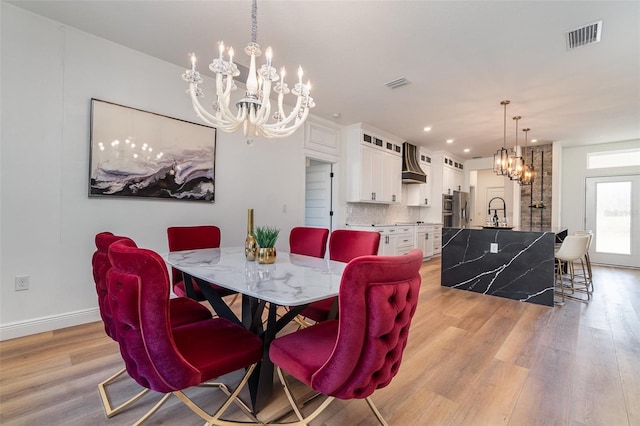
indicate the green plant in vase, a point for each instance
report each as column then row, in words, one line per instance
column 266, row 237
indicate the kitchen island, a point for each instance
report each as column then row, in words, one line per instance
column 511, row 263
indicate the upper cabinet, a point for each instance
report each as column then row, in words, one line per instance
column 452, row 175
column 374, row 165
column 420, row 195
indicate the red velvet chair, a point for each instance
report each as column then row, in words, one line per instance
column 183, row 311
column 191, row 238
column 351, row 357
column 308, row 241
column 344, row 246
column 166, row 359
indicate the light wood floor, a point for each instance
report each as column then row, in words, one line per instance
column 471, row 360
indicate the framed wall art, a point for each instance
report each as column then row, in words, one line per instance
column 140, row 154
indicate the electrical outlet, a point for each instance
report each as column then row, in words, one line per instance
column 493, row 248
column 22, row 282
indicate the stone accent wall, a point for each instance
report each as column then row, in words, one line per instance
column 540, row 191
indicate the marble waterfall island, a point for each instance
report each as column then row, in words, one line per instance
column 517, row 265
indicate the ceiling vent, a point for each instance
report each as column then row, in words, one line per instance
column 398, row 82
column 584, row 35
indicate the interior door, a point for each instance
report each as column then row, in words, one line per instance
column 612, row 213
column 318, row 195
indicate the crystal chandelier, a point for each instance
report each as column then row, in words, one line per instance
column 528, row 174
column 254, row 110
column 501, row 157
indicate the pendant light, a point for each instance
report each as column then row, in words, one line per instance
column 516, row 162
column 528, row 174
column 501, row 157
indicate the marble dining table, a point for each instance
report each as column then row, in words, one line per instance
column 293, row 281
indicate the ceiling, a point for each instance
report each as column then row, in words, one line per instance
column 461, row 59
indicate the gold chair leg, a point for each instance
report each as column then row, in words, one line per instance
column 233, row 300
column 304, row 421
column 299, row 319
column 238, row 401
column 214, row 419
column 152, row 410
column 375, row 411
column 102, row 389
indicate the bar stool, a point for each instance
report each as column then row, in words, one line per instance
column 573, row 249
column 586, row 259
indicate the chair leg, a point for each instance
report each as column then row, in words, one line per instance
column 233, row 300
column 287, row 391
column 575, row 282
column 239, row 402
column 214, row 419
column 102, row 389
column 375, row 411
column 558, row 281
column 590, row 272
column 152, row 410
column 304, row 421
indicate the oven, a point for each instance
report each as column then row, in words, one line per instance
column 447, row 203
column 447, row 211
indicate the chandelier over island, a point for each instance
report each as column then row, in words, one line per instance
column 512, row 164
column 516, row 162
column 254, row 110
column 501, row 157
column 528, row 173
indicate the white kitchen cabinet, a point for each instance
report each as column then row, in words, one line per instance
column 437, row 240
column 396, row 240
column 424, row 240
column 374, row 167
column 392, row 184
column 452, row 176
column 420, row 194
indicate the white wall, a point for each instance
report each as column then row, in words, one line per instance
column 49, row 74
column 486, row 178
column 574, row 174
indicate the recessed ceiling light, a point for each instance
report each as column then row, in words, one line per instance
column 467, row 150
column 534, row 140
column 449, row 140
column 336, row 115
column 427, row 129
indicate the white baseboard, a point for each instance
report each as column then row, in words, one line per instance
column 54, row 322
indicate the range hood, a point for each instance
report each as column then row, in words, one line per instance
column 411, row 171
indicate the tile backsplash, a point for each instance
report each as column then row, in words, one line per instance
column 369, row 213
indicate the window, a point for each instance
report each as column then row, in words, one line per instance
column 608, row 159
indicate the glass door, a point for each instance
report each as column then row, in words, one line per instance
column 613, row 214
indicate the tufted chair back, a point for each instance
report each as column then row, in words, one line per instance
column 191, row 238
column 347, row 244
column 101, row 265
column 138, row 289
column 378, row 297
column 308, row 241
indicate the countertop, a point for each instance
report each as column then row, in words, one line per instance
column 379, row 225
column 554, row 229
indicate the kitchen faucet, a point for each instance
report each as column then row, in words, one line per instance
column 496, row 219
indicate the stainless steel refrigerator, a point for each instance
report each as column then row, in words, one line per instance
column 461, row 213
